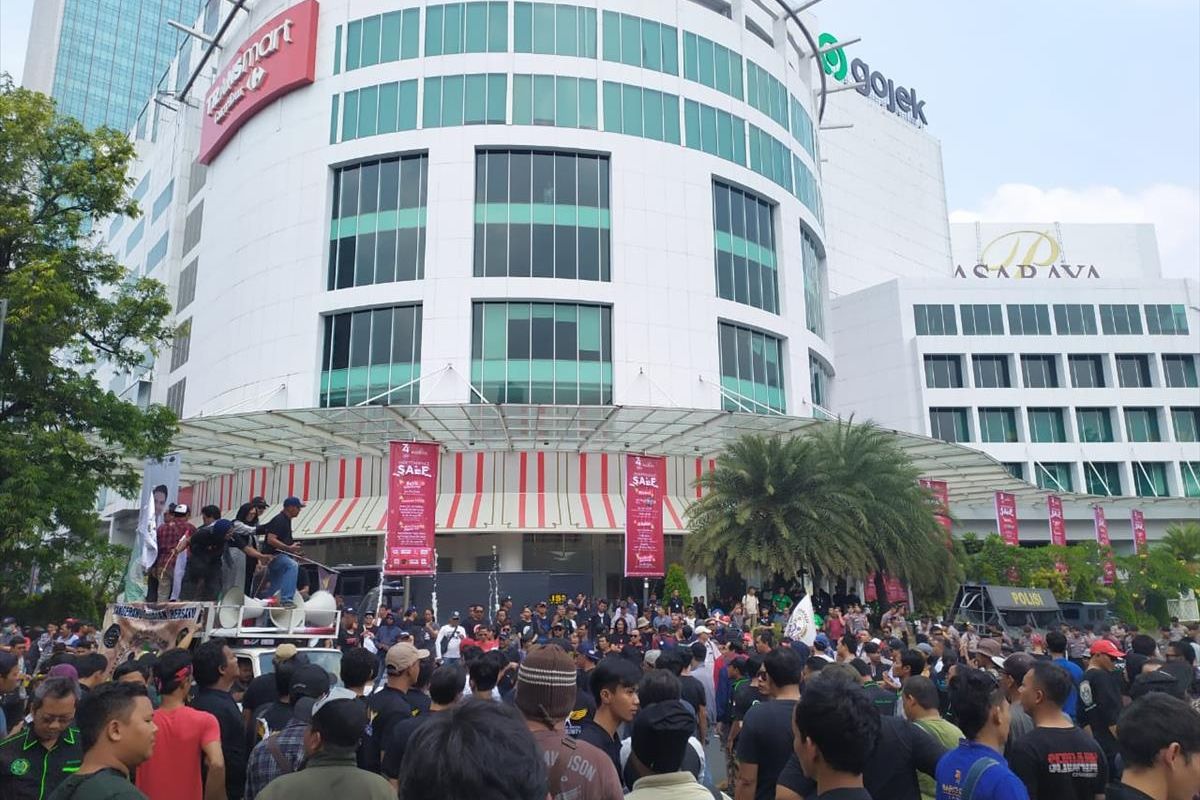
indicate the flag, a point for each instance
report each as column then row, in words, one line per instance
column 802, row 627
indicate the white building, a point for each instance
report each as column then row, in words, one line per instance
column 1057, row 349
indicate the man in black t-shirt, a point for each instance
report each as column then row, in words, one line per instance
column 278, row 542
column 765, row 741
column 836, row 730
column 397, row 700
column 202, row 576
column 445, row 688
column 675, row 660
column 1056, row 760
column 1100, row 697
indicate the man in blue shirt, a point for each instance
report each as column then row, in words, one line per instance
column 1056, row 643
column 976, row 770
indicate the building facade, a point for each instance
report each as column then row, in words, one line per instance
column 102, row 60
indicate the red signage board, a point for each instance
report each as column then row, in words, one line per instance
column 1058, row 528
column 412, row 508
column 1006, row 518
column 1138, row 520
column 941, row 498
column 278, row 57
column 894, row 587
column 645, row 483
column 1110, row 569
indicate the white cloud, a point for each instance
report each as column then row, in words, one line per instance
column 1173, row 209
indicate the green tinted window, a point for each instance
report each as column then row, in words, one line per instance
column 1102, row 478
column 1095, row 425
column 1166, row 319
column 465, row 100
column 371, row 110
column 1046, row 425
column 802, row 128
column 383, row 38
column 1150, row 479
column 480, row 27
column 640, row 42
column 372, row 356
column 770, row 157
column 816, row 286
column 714, row 131
column 751, row 370
column 744, row 252
column 554, row 29
column 641, row 112
column 1054, row 476
column 766, row 93
column 711, row 64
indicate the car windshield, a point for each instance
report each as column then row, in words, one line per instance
column 328, row 660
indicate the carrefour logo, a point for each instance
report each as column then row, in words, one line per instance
column 900, row 100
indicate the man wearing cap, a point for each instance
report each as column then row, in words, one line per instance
column 169, row 534
column 657, row 749
column 337, row 722
column 544, row 695
column 202, row 576
column 398, row 700
column 1100, row 698
column 283, row 751
column 445, row 689
column 450, row 637
column 283, row 569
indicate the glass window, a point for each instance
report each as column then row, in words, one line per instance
column 943, row 372
column 465, row 100
column 1047, row 425
column 981, row 320
column 744, row 252
column 372, row 356
column 1120, row 319
column 714, row 131
column 1015, row 468
column 771, row 158
column 820, row 381
column 163, row 201
column 181, row 346
column 1133, row 371
column 541, row 214
column 1054, row 476
column 1190, row 472
column 1166, row 319
column 187, row 286
column 770, row 96
column 1074, row 319
column 1141, row 425
column 641, row 112
column 478, row 27
column 991, row 372
column 715, row 66
column 383, row 38
column 1039, row 372
column 554, row 29
column 551, row 353
column 1087, row 371
column 751, row 370
column 949, row 424
column 377, row 234
column 1102, row 478
column 1150, row 479
column 640, row 42
column 934, row 320
column 385, row 108
column 802, row 128
column 157, row 253
column 1029, row 320
column 1186, row 422
column 1179, row 371
column 816, row 286
column 998, row 425
column 1095, row 425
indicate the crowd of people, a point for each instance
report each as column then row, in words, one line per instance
column 589, row 699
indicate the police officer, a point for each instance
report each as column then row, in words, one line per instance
column 35, row 761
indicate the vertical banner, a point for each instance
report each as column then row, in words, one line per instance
column 1110, row 569
column 941, row 511
column 1138, row 520
column 1006, row 518
column 160, row 487
column 1058, row 528
column 645, row 482
column 412, row 508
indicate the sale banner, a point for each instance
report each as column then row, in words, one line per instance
column 941, row 511
column 1138, row 520
column 1058, row 528
column 893, row 587
column 412, row 508
column 645, row 483
column 1006, row 518
column 1110, row 569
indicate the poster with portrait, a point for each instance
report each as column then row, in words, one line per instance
column 133, row 629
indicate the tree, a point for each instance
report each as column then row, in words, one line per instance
column 842, row 502
column 1182, row 539
column 72, row 308
column 676, row 578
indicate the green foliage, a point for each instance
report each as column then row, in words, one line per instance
column 843, row 501
column 81, row 580
column 1150, row 578
column 990, row 560
column 72, row 308
column 676, row 578
column 1182, row 539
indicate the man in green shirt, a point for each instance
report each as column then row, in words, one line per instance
column 116, row 725
column 36, row 760
column 920, row 698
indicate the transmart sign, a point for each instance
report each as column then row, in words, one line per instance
column 900, row 100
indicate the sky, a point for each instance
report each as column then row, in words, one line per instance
column 1068, row 111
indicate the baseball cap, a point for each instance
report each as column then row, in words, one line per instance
column 651, row 657
column 1015, row 666
column 699, row 629
column 293, row 501
column 925, row 647
column 454, row 615
column 181, row 510
column 222, row 526
column 660, row 735
column 403, row 655
column 259, row 502
column 309, row 680
column 306, row 707
column 1106, row 648
column 989, row 647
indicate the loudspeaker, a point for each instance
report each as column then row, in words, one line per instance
column 234, row 608
column 320, row 611
column 288, row 617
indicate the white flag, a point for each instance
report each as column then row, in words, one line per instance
column 802, row 627
column 148, row 535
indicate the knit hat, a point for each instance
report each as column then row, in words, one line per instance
column 546, row 685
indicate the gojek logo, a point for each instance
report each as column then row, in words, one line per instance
column 901, row 101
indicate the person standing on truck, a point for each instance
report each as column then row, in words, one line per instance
column 283, row 570
column 202, row 576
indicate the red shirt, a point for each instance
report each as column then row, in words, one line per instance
column 169, row 534
column 173, row 771
column 835, row 627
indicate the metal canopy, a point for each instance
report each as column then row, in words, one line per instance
column 220, row 444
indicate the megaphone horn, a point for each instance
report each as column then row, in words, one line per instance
column 235, row 608
column 289, row 617
column 320, row 611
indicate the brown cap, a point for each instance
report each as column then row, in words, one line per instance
column 989, row 647
column 403, row 655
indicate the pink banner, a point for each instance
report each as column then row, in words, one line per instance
column 1138, row 520
column 1006, row 518
column 1058, row 528
column 894, row 587
column 412, row 506
column 278, row 57
column 645, row 483
column 941, row 498
column 1110, row 569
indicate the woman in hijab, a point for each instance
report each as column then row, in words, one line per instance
column 242, row 556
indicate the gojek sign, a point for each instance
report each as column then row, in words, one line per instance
column 900, row 100
column 278, row 57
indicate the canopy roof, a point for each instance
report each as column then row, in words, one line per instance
column 221, row 444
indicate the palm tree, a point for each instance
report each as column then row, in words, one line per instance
column 842, row 501
column 1183, row 540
